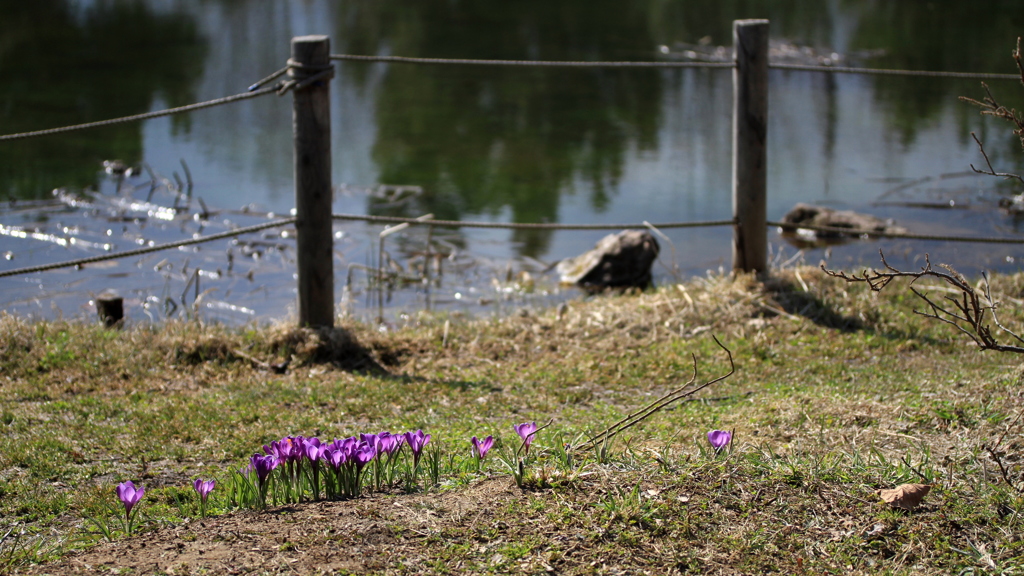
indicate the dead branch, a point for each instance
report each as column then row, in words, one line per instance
column 647, row 411
column 1016, row 58
column 967, row 313
column 1003, row 471
column 991, row 171
column 990, row 107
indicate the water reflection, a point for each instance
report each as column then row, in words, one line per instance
column 521, row 145
column 67, row 64
column 482, row 140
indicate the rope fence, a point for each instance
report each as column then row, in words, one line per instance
column 310, row 70
column 369, row 219
column 147, row 249
column 145, row 116
column 281, row 88
column 531, row 63
column 893, row 72
column 525, row 225
column 671, row 64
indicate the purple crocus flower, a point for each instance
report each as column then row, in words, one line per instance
column 399, row 440
column 526, row 430
column 389, row 443
column 129, row 495
column 335, row 458
column 277, row 450
column 263, row 465
column 719, row 439
column 204, row 487
column 287, row 449
column 346, row 446
column 480, row 447
column 315, row 451
column 416, row 441
column 372, row 440
column 363, row 454
column 296, row 448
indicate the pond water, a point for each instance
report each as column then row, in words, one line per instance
column 477, row 143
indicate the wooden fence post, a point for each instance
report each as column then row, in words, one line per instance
column 311, row 124
column 749, row 146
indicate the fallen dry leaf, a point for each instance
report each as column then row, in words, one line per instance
column 906, row 496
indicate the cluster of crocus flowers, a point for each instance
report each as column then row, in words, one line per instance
column 300, row 467
column 346, row 460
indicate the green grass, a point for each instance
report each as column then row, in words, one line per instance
column 843, row 393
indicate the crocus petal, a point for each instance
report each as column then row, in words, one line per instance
column 336, row 457
column 525, row 430
column 363, row 455
column 486, row 445
column 315, row 452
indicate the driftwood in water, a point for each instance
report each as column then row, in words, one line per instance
column 620, row 260
column 844, row 223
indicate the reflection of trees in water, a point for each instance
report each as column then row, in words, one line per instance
column 59, row 64
column 482, row 139
column 946, row 35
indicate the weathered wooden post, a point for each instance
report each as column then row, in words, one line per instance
column 749, row 146
column 110, row 308
column 311, row 124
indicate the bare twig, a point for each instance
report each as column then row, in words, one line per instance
column 1016, row 58
column 659, row 404
column 522, row 445
column 991, row 171
column 915, row 470
column 990, row 107
column 1008, row 428
column 966, row 313
column 1003, row 471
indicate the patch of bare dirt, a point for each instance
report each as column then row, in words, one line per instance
column 378, row 534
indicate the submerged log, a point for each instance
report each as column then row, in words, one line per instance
column 849, row 224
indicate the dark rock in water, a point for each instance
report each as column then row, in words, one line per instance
column 853, row 223
column 620, row 260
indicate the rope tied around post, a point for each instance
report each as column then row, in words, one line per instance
column 304, row 75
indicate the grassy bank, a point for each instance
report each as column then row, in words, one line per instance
column 838, row 392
